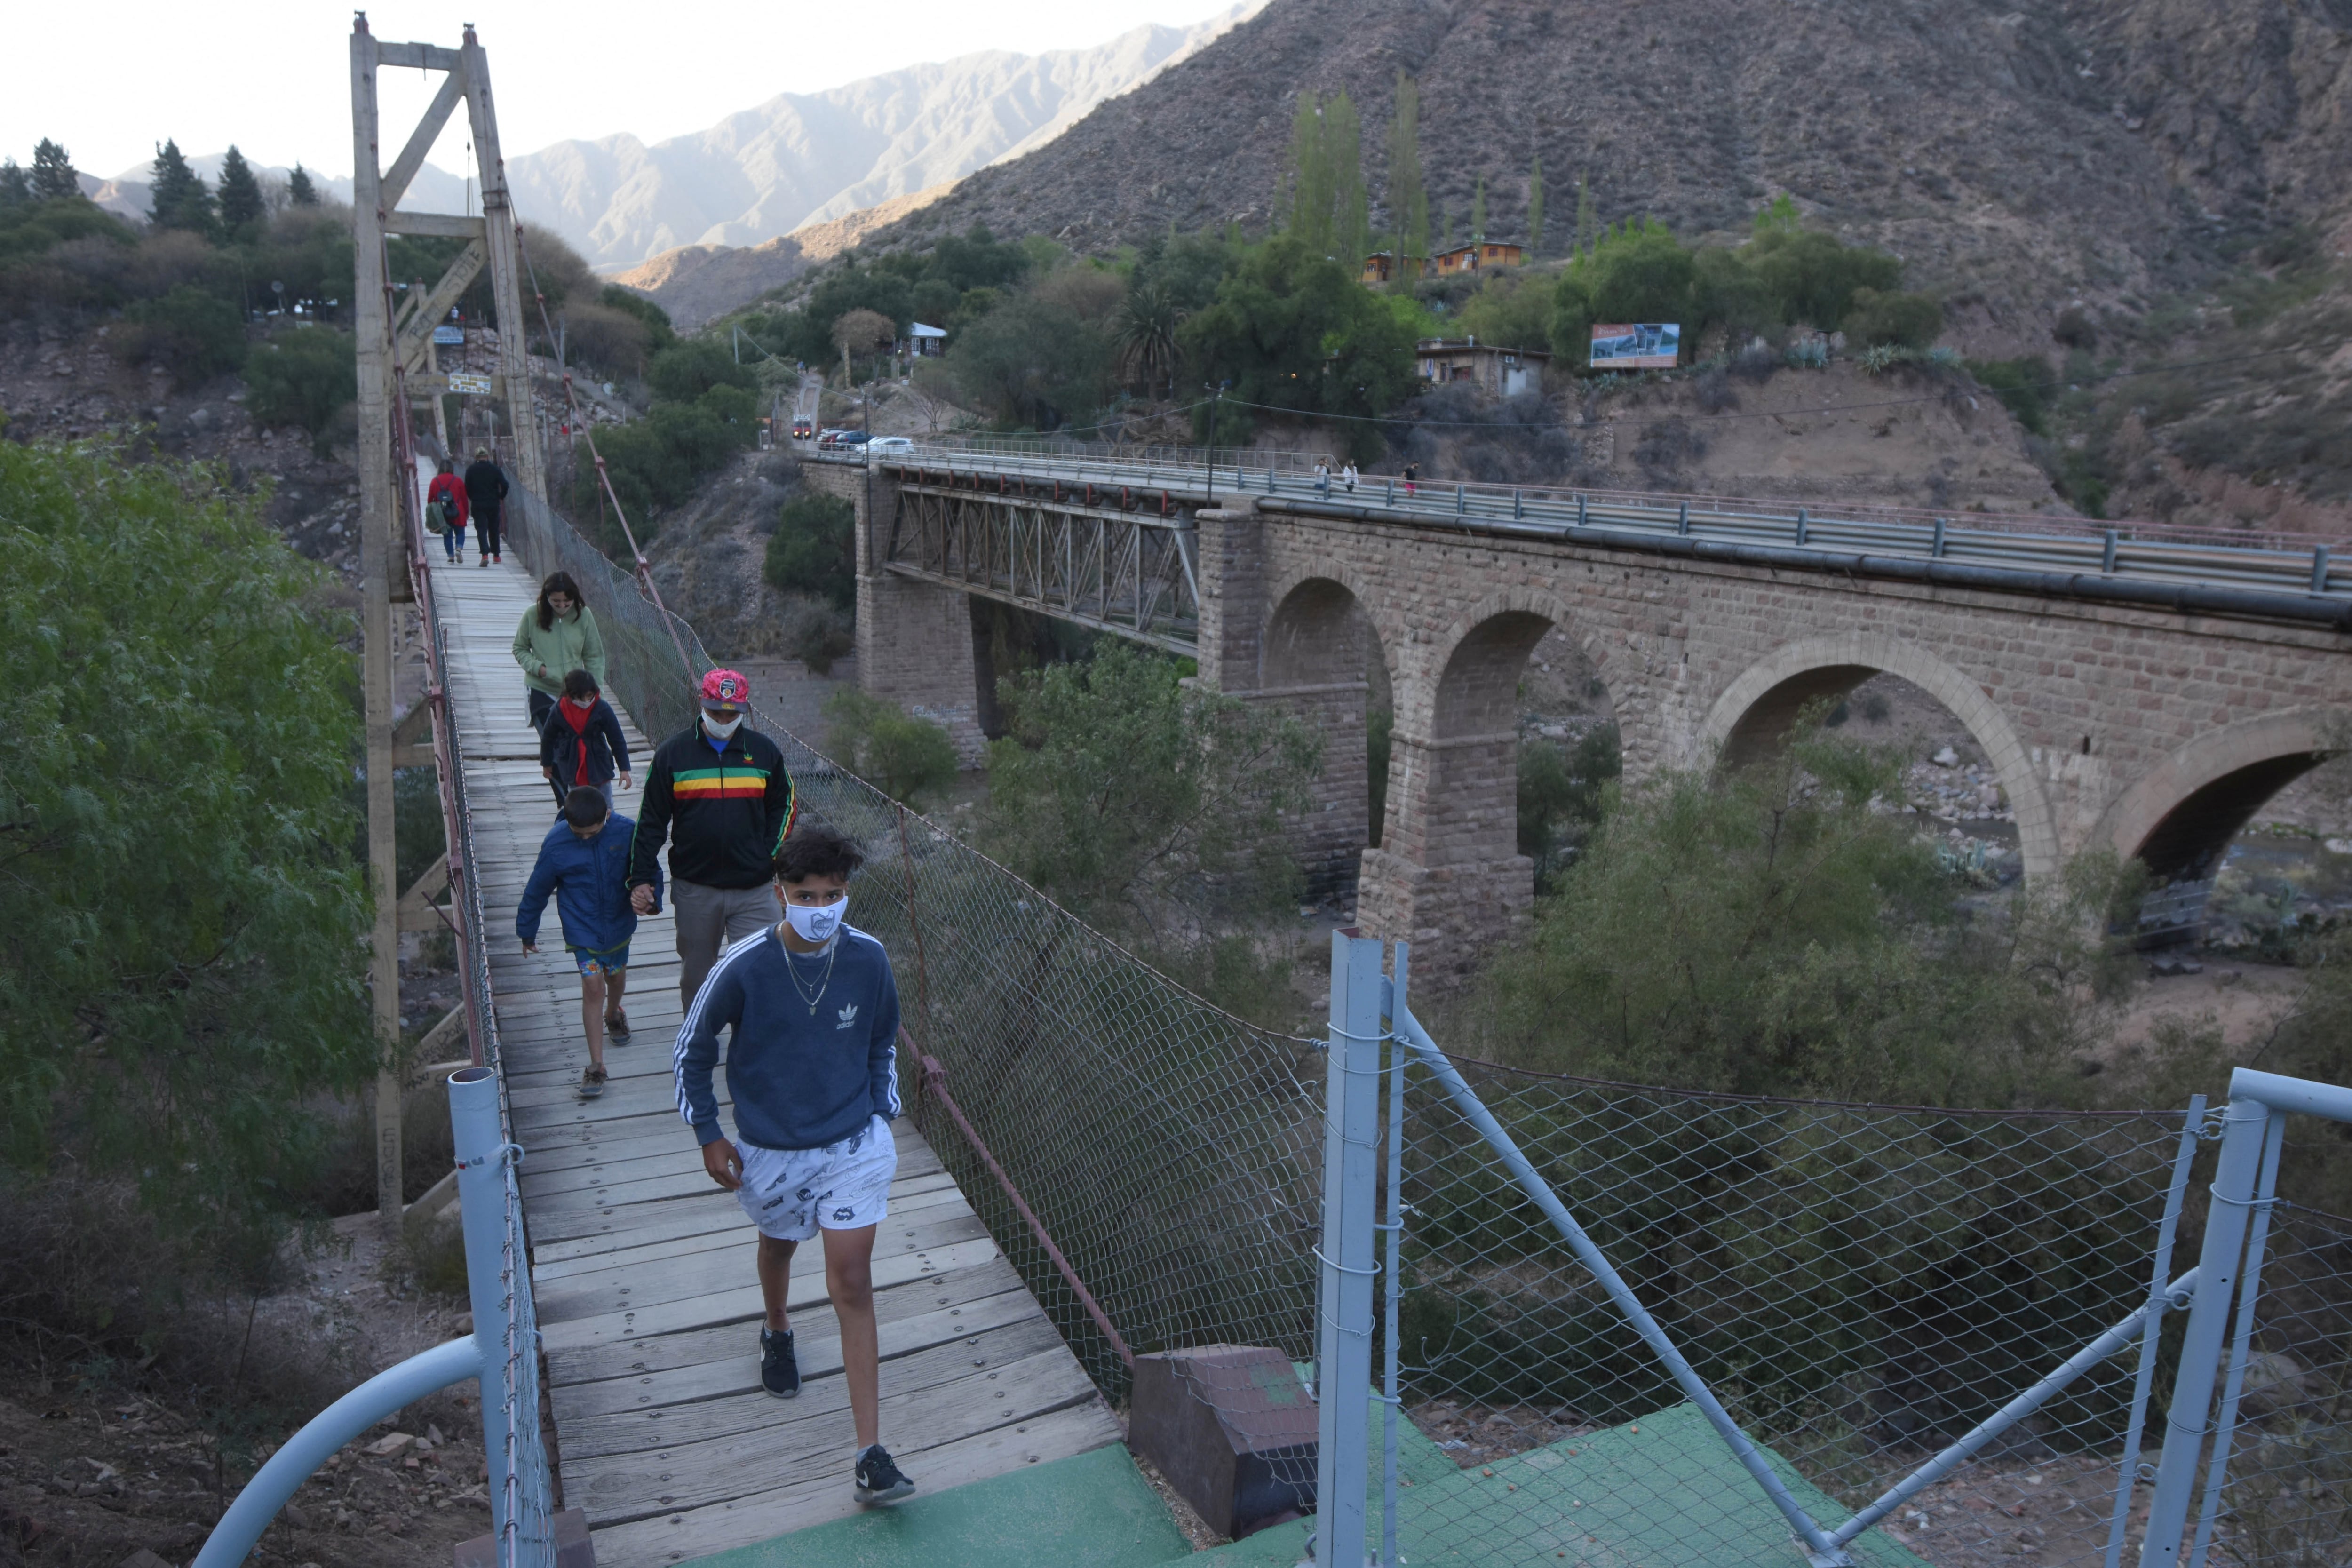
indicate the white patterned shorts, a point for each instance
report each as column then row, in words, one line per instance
column 792, row 1193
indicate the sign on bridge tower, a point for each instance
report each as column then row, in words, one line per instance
column 396, row 366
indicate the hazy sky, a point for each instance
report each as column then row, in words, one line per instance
column 276, row 80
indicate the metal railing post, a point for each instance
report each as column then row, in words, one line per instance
column 1801, row 522
column 2107, row 551
column 2320, row 568
column 1392, row 1267
column 2246, row 1127
column 481, row 1196
column 2144, row 1376
column 1344, row 1336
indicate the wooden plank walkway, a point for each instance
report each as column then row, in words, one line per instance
column 648, row 1307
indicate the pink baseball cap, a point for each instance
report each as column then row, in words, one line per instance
column 725, row 688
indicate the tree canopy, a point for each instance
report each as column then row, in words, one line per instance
column 241, row 201
column 183, row 973
column 181, row 198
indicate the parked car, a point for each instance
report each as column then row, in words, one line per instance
column 889, row 447
column 851, row 440
column 804, row 428
column 829, row 440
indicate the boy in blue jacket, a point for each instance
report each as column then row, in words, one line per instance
column 813, row 1065
column 584, row 862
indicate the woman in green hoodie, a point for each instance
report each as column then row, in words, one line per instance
column 557, row 636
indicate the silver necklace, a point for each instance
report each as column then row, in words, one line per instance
column 832, row 950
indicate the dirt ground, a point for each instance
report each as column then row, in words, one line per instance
column 95, row 1470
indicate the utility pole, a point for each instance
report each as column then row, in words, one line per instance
column 395, row 361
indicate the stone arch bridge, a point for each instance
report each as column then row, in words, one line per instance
column 2134, row 693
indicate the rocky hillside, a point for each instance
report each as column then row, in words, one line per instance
column 2019, row 157
column 696, row 283
column 808, row 157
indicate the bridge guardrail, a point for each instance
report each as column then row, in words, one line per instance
column 2143, row 553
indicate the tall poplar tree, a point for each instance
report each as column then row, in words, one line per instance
column 1478, row 213
column 1535, row 207
column 1343, row 149
column 53, row 173
column 241, row 202
column 1587, row 232
column 1408, row 196
column 16, row 190
column 1310, row 177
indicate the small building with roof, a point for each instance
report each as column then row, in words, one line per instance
column 1389, row 267
column 1479, row 253
column 1505, row 371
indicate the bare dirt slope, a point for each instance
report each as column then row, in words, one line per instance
column 2018, row 157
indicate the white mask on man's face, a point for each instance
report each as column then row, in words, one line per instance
column 716, row 731
column 816, row 923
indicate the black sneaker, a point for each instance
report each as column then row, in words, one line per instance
column 780, row 1370
column 879, row 1480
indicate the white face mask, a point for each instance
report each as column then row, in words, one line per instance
column 816, row 923
column 718, row 731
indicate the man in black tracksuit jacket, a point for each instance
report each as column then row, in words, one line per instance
column 722, row 796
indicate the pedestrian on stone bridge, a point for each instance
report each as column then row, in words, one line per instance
column 720, row 794
column 583, row 862
column 811, row 1014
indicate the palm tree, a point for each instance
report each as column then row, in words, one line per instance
column 1145, row 330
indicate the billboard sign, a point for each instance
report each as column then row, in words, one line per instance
column 449, row 337
column 469, row 381
column 1647, row 345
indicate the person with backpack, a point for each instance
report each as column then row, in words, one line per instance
column 580, row 743
column 448, row 491
column 486, row 492
column 556, row 636
column 583, row 862
column 720, row 792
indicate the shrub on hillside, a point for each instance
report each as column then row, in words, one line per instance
column 814, row 632
column 304, row 379
column 685, row 370
column 187, row 332
column 1879, row 318
column 2022, row 385
column 813, row 549
column 906, row 757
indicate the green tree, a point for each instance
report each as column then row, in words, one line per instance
column 54, row 176
column 1343, row 152
column 906, row 757
column 1535, row 207
column 1811, row 277
column 1033, row 363
column 1309, row 178
column 179, row 198
column 1291, row 329
column 182, row 984
column 241, row 201
column 1139, row 801
column 1637, row 272
column 1478, row 213
column 813, row 549
column 1587, row 226
column 15, row 186
column 304, row 379
column 1772, row 932
column 690, row 367
column 300, row 190
column 193, row 334
column 1407, row 192
column 1144, row 331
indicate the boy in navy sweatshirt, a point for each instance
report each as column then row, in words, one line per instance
column 813, row 1067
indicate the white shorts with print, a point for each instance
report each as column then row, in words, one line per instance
column 791, row 1194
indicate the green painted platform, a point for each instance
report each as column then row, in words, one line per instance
column 1094, row 1510
column 1668, row 1496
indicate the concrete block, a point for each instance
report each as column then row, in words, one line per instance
column 1231, row 1429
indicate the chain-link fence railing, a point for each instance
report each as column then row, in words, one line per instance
column 1168, row 1151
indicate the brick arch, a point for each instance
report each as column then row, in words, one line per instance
column 2194, row 801
column 1426, row 668
column 1307, row 607
column 1754, row 712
